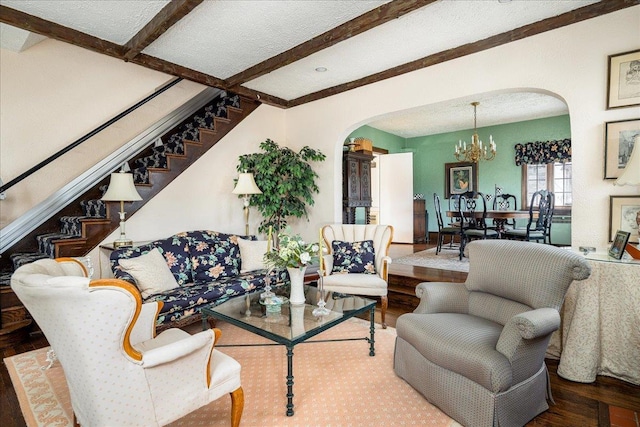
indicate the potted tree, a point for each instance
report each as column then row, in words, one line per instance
column 286, row 179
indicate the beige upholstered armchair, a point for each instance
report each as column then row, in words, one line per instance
column 476, row 349
column 362, row 267
column 118, row 372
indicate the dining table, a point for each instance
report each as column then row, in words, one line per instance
column 500, row 217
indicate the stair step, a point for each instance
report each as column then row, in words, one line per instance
column 79, row 233
column 19, row 259
column 14, row 333
column 15, row 314
column 8, row 298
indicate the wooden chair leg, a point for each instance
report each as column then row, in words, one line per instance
column 237, row 406
column 384, row 302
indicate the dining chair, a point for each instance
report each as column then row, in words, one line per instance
column 443, row 231
column 473, row 208
column 506, row 202
column 539, row 223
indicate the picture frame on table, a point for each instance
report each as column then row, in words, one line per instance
column 460, row 177
column 624, row 214
column 623, row 80
column 619, row 139
column 619, row 243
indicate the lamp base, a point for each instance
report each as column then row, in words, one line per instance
column 121, row 243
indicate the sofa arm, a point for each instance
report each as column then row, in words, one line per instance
column 442, row 297
column 174, row 344
column 537, row 323
column 524, row 340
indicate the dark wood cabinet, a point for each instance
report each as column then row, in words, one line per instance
column 419, row 222
column 356, row 185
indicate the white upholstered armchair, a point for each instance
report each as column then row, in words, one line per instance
column 118, row 372
column 371, row 276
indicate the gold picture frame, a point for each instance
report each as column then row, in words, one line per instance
column 623, row 214
column 619, row 137
column 623, row 80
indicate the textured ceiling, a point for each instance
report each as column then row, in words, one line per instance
column 223, row 43
column 450, row 116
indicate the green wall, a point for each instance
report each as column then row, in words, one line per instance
column 433, row 151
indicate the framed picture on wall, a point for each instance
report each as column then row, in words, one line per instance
column 623, row 86
column 460, row 177
column 624, row 215
column 619, row 139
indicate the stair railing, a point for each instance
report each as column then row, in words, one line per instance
column 40, row 213
column 97, row 130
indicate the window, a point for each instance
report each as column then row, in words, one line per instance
column 555, row 177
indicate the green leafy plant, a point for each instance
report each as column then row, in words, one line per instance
column 286, row 179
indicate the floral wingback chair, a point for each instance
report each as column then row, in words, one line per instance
column 118, row 372
column 357, row 262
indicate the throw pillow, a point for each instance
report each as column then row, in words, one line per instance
column 353, row 257
column 213, row 259
column 252, row 254
column 151, row 272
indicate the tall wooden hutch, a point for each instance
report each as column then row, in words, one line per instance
column 356, row 185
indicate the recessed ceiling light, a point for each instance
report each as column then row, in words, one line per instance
column 321, row 69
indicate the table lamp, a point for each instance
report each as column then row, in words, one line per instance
column 246, row 186
column 121, row 189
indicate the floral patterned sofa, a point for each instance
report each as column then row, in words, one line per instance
column 207, row 268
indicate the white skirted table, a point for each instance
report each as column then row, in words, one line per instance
column 600, row 329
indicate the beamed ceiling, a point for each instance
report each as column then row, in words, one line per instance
column 272, row 50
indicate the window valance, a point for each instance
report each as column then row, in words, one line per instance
column 538, row 153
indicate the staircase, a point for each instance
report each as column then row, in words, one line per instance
column 87, row 221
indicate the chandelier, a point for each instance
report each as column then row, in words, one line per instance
column 476, row 151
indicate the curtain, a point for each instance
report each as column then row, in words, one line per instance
column 537, row 153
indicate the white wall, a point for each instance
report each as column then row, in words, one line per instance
column 54, row 93
column 570, row 62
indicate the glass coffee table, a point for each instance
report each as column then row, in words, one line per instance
column 294, row 324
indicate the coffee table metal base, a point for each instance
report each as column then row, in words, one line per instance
column 290, row 346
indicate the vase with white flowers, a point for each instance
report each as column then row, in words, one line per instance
column 295, row 255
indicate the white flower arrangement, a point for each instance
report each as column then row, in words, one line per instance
column 292, row 252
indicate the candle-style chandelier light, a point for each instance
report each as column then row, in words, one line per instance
column 476, row 150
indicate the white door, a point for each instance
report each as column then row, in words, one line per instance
column 396, row 194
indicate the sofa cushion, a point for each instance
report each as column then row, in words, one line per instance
column 461, row 343
column 185, row 301
column 353, row 257
column 174, row 249
column 214, row 255
column 151, row 273
column 252, row 254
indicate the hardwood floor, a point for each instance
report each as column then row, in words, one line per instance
column 606, row 402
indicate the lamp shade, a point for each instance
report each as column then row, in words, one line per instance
column 631, row 173
column 121, row 189
column 246, row 184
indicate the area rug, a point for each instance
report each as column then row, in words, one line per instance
column 335, row 384
column 447, row 259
